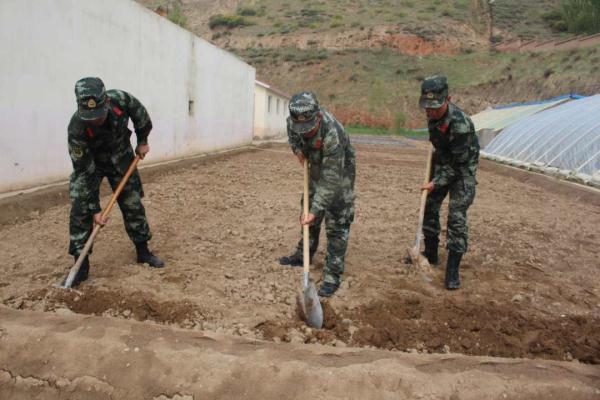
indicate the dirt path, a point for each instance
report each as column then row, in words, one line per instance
column 530, row 282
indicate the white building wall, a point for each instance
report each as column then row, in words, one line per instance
column 269, row 121
column 47, row 45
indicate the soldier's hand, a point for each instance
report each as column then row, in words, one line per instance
column 308, row 220
column 429, row 187
column 300, row 157
column 141, row 150
column 98, row 220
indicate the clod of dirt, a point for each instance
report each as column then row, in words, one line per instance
column 404, row 322
column 139, row 305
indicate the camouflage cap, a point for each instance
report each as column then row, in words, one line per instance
column 91, row 98
column 434, row 91
column 304, row 108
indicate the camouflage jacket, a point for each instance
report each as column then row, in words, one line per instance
column 106, row 144
column 456, row 146
column 332, row 163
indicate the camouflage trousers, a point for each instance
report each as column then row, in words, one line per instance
column 130, row 203
column 337, row 228
column 462, row 194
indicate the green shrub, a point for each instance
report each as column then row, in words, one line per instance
column 398, row 123
column 552, row 15
column 176, row 16
column 227, row 21
column 246, row 11
column 581, row 16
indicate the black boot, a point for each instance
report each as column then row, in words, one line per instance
column 328, row 289
column 145, row 256
column 296, row 259
column 82, row 274
column 431, row 250
column 452, row 276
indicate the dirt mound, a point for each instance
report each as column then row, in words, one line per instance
column 416, row 323
column 45, row 356
column 296, row 331
column 488, row 328
column 136, row 305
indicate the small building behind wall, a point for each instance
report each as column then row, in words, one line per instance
column 270, row 111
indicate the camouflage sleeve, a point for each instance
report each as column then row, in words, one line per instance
column 294, row 140
column 138, row 114
column 84, row 170
column 462, row 132
column 443, row 174
column 332, row 174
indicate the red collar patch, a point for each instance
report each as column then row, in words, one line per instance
column 117, row 111
column 443, row 128
column 318, row 144
column 89, row 132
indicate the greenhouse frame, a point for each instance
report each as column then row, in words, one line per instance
column 562, row 141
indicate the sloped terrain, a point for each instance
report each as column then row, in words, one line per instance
column 366, row 59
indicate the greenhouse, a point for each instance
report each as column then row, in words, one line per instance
column 563, row 141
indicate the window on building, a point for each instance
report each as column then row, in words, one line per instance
column 269, row 101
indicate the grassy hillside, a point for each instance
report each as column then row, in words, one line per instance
column 380, row 88
column 365, row 58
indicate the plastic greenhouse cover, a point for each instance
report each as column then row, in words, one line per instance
column 564, row 139
column 500, row 118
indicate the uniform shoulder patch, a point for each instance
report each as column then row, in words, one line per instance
column 76, row 152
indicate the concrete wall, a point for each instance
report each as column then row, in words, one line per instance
column 47, row 45
column 269, row 121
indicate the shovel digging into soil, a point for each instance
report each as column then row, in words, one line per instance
column 75, row 268
column 308, row 299
column 414, row 257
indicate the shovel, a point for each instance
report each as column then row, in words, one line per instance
column 308, row 299
column 414, row 254
column 75, row 268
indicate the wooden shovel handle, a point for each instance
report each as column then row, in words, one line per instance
column 105, row 212
column 305, row 234
column 424, row 194
column 120, row 187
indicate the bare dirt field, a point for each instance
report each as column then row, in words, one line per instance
column 530, row 290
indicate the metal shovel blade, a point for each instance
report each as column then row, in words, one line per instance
column 311, row 306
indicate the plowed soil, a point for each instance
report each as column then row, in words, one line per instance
column 530, row 280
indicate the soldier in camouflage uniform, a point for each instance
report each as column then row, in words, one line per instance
column 455, row 162
column 314, row 134
column 99, row 146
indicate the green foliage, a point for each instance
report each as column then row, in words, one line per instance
column 176, row 16
column 398, row 123
column 379, row 131
column 247, row 11
column 581, row 16
column 227, row 21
